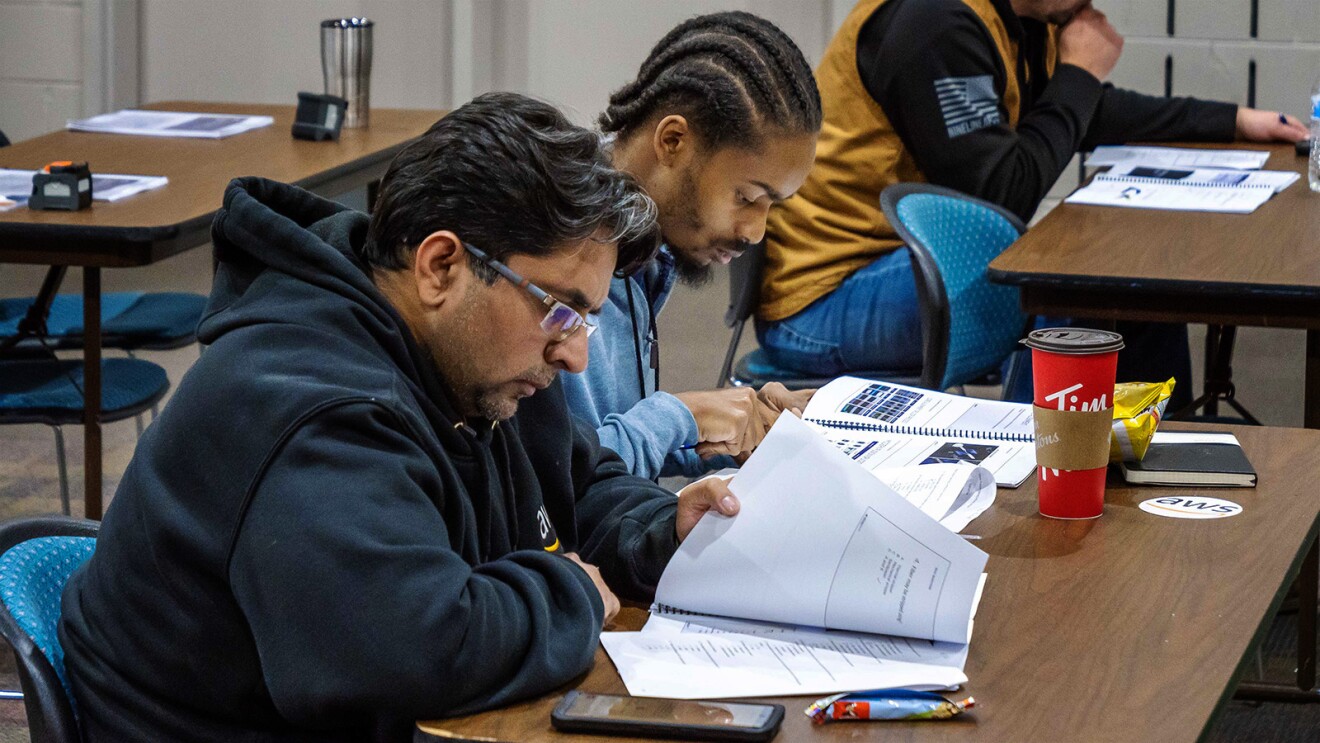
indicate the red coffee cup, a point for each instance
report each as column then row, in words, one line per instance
column 1073, row 369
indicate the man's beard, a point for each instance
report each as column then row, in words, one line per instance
column 493, row 405
column 452, row 358
column 691, row 272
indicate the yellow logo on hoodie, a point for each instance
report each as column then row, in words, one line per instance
column 549, row 540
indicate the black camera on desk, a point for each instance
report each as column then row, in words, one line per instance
column 319, row 117
column 63, row 186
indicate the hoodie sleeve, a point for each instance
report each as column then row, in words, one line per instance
column 649, row 432
column 357, row 601
column 625, row 523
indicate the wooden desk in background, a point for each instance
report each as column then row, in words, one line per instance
column 1110, row 263
column 1131, row 627
column 155, row 225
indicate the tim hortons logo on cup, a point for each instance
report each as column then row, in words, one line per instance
column 1066, row 401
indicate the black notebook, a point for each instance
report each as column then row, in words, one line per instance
column 1178, row 458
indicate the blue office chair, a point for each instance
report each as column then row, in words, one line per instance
column 37, row 556
column 50, row 391
column 969, row 326
column 755, row 368
column 129, row 321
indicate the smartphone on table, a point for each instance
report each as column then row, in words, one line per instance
column 644, row 717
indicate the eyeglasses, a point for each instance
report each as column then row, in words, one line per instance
column 561, row 321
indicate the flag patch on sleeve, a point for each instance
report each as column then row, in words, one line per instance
column 967, row 103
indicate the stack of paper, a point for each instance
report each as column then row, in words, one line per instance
column 16, row 185
column 1178, row 157
column 170, row 124
column 1182, row 179
column 827, row 580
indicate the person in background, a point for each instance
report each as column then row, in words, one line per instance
column 367, row 503
column 989, row 97
column 720, row 124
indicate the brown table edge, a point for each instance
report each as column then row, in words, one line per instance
column 123, row 247
column 1263, row 629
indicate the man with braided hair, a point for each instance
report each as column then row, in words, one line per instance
column 989, row 97
column 720, row 124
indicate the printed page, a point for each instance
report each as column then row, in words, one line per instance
column 1178, row 157
column 681, row 664
column 1275, row 180
column 820, row 542
column 17, row 185
column 1010, row 462
column 884, row 405
column 952, row 494
column 170, row 124
column 1107, row 192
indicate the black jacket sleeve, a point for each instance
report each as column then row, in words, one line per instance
column 621, row 523
column 356, row 600
column 924, row 63
column 1126, row 116
column 625, row 522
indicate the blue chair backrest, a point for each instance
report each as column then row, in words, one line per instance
column 985, row 322
column 32, row 578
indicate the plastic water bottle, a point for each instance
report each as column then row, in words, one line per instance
column 1313, row 172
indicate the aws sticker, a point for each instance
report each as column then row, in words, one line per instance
column 1191, row 507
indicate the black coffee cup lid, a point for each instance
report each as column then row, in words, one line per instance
column 1074, row 340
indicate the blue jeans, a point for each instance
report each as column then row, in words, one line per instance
column 871, row 322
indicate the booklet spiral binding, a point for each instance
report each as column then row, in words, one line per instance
column 925, row 431
column 1174, row 182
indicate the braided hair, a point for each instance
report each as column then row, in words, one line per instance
column 732, row 75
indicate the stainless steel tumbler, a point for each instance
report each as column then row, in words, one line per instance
column 346, row 62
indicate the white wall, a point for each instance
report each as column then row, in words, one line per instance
column 265, row 52
column 61, row 59
column 439, row 53
column 430, row 53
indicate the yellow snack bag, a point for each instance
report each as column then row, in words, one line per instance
column 1138, row 408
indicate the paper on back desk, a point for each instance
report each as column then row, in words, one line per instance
column 820, row 542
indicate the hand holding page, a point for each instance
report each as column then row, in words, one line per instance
column 820, row 542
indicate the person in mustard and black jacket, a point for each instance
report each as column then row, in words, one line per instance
column 989, row 97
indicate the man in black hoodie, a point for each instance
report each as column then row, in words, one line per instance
column 345, row 519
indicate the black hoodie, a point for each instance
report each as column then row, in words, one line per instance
column 309, row 543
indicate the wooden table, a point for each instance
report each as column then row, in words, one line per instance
column 1127, row 628
column 1259, row 269
column 152, row 226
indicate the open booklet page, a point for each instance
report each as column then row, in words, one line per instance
column 1009, row 462
column 866, row 404
column 1274, row 180
column 1178, row 157
column 1146, row 194
column 820, row 542
column 170, row 124
column 697, row 657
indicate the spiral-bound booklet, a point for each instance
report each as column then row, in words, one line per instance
column 1183, row 189
column 825, row 581
column 882, row 425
